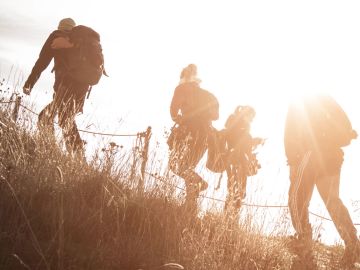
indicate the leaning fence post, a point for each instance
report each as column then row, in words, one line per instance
column 16, row 108
column 60, row 250
column 144, row 155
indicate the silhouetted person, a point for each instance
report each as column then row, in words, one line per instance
column 69, row 94
column 47, row 54
column 192, row 109
column 241, row 161
column 316, row 129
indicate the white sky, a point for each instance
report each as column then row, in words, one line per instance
column 260, row 53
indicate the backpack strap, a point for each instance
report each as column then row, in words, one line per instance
column 88, row 92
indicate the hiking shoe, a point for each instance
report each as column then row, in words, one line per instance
column 351, row 255
column 300, row 247
column 303, row 264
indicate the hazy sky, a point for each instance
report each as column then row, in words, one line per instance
column 259, row 53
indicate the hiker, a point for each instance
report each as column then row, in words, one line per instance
column 241, row 160
column 316, row 129
column 192, row 109
column 47, row 54
column 69, row 92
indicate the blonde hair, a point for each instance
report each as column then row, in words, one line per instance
column 189, row 74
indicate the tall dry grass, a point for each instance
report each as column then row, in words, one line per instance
column 59, row 212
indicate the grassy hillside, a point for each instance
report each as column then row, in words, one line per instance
column 59, row 212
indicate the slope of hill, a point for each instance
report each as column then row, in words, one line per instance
column 59, row 212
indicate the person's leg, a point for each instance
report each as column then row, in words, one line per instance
column 183, row 160
column 194, row 182
column 242, row 188
column 73, row 141
column 302, row 177
column 328, row 187
column 236, row 188
column 46, row 120
column 69, row 107
column 192, row 190
column 46, row 117
column 230, row 187
column 193, row 187
column 197, row 149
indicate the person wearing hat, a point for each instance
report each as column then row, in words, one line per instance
column 65, row 103
column 47, row 54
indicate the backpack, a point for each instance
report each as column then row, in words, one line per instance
column 86, row 60
column 217, row 156
column 330, row 123
column 206, row 105
column 237, row 126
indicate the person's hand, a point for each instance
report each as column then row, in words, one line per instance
column 354, row 134
column 26, row 90
column 258, row 141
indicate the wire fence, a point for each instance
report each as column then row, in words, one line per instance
column 89, row 131
column 243, row 203
column 147, row 135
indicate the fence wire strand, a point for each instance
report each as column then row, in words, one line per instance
column 89, row 131
column 244, row 204
column 166, row 182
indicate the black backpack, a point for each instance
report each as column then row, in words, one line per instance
column 206, row 105
column 217, row 157
column 329, row 122
column 86, row 60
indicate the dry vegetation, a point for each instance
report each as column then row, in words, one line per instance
column 58, row 212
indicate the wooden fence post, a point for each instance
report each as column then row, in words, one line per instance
column 144, row 155
column 61, row 244
column 15, row 112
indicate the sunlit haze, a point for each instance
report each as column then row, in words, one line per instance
column 258, row 53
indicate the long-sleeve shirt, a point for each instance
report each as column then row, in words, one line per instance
column 194, row 104
column 45, row 57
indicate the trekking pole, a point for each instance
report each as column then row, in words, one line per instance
column 88, row 93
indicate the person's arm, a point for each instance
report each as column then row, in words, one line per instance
column 214, row 108
column 176, row 103
column 256, row 141
column 293, row 141
column 45, row 57
column 340, row 122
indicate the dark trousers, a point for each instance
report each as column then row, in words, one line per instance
column 304, row 176
column 188, row 149
column 68, row 101
column 236, row 186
